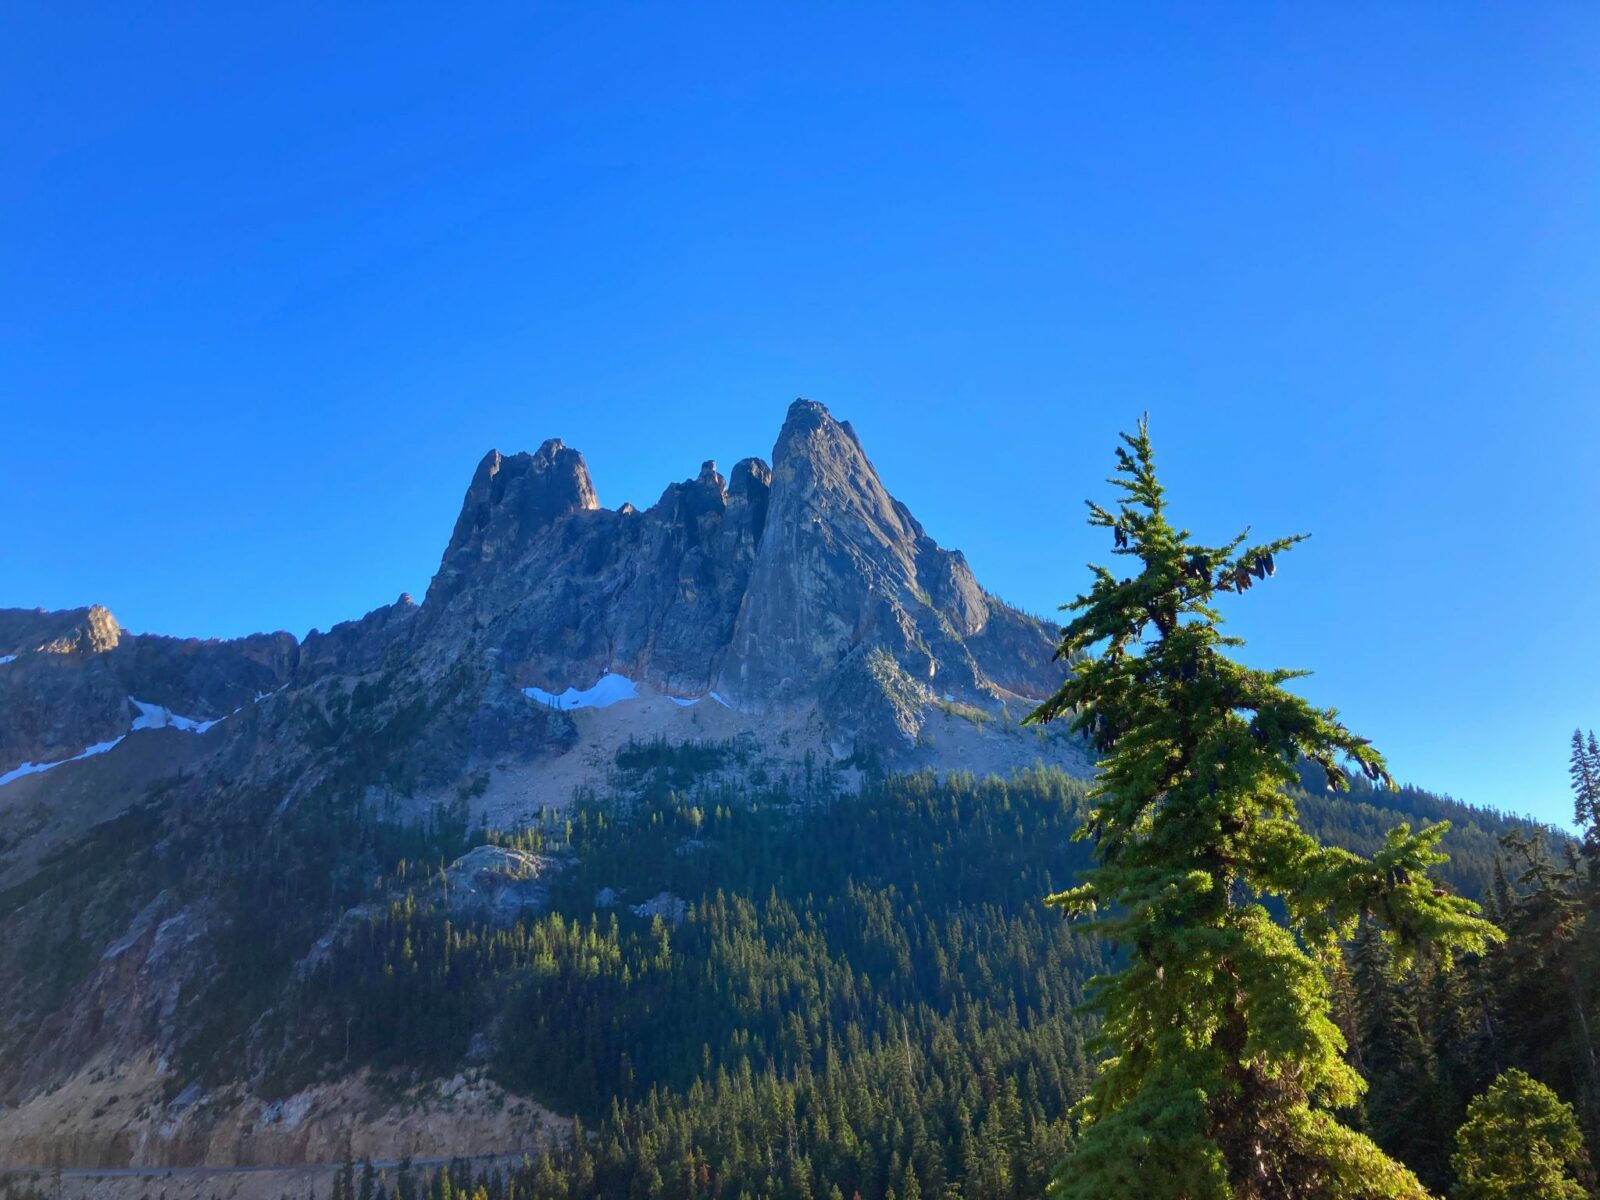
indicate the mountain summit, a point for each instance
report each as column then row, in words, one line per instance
column 800, row 584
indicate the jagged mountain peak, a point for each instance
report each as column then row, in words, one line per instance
column 803, row 584
column 710, row 477
column 750, row 475
column 91, row 630
column 510, row 500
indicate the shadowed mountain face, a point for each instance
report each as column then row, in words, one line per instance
column 72, row 679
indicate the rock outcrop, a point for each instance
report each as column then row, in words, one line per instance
column 67, row 679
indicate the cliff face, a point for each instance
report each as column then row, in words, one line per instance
column 69, row 679
column 802, row 587
column 800, row 584
column 850, row 601
column 566, row 593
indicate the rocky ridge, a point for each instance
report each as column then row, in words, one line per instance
column 802, row 591
column 800, row 584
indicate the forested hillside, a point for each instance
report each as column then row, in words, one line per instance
column 854, row 987
column 830, row 990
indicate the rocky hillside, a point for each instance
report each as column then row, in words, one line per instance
column 74, row 679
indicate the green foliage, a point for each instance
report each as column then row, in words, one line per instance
column 1520, row 1142
column 1429, row 1040
column 1225, row 1060
column 678, row 763
column 1546, row 972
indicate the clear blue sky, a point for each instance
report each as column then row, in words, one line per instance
column 273, row 281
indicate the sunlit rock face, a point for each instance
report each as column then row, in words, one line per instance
column 803, row 583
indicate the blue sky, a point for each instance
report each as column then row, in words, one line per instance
column 275, row 280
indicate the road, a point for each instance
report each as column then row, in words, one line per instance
column 381, row 1164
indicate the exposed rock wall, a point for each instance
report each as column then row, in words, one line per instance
column 774, row 587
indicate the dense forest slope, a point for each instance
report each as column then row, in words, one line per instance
column 684, row 957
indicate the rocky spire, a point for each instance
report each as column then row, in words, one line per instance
column 836, row 575
column 509, row 501
column 799, row 583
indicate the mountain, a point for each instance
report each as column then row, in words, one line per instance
column 591, row 824
column 69, row 679
column 799, row 601
column 795, row 610
column 799, row 586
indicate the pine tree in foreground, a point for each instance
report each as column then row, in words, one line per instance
column 1519, row 1142
column 1226, row 1062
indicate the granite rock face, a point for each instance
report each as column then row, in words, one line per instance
column 846, row 574
column 510, row 503
column 800, row 584
column 564, row 591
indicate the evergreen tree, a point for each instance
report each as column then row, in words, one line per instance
column 1394, row 1057
column 1226, row 1061
column 1585, row 774
column 1519, row 1142
column 1544, row 993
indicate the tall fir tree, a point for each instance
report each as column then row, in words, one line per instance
column 1584, row 770
column 1395, row 1058
column 1226, row 1063
column 1544, row 994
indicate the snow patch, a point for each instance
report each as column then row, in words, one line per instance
column 32, row 768
column 686, row 701
column 151, row 716
column 154, row 716
column 611, row 689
